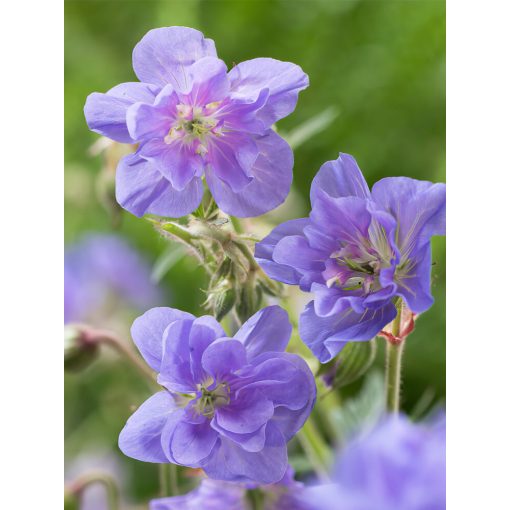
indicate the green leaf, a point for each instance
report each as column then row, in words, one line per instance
column 170, row 256
column 311, row 127
column 362, row 411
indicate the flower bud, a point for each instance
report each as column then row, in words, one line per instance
column 249, row 299
column 79, row 353
column 353, row 362
column 221, row 300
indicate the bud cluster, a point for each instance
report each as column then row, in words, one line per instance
column 236, row 282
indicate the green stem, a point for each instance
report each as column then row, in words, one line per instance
column 110, row 339
column 247, row 253
column 107, row 481
column 394, row 351
column 315, row 448
column 255, row 498
column 393, row 375
column 168, row 480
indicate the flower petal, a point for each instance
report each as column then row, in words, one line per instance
column 175, row 372
column 251, row 442
column 418, row 206
column 148, row 330
column 265, row 248
column 286, row 380
column 296, row 252
column 271, row 177
column 230, row 160
column 191, row 443
column 204, row 331
column 415, row 286
column 223, row 356
column 146, row 121
column 346, row 218
column 209, row 82
column 284, row 80
column 106, row 113
column 141, row 189
column 246, row 413
column 164, row 55
column 141, row 436
column 268, row 330
column 230, row 462
column 326, row 336
column 241, row 114
column 333, row 300
column 178, row 162
column 339, row 178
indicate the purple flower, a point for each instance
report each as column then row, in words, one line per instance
column 228, row 405
column 357, row 252
column 397, row 466
column 209, row 495
column 192, row 118
column 287, row 494
column 100, row 267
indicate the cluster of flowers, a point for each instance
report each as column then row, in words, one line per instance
column 397, row 465
column 229, row 405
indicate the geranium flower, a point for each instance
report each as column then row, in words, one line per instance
column 357, row 252
column 287, row 494
column 228, row 405
column 398, row 465
column 102, row 268
column 193, row 118
column 209, row 495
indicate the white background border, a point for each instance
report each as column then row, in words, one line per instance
column 31, row 241
column 478, row 281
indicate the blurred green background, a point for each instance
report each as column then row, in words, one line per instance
column 380, row 64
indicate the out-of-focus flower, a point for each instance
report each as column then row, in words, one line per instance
column 192, row 118
column 209, row 495
column 396, row 466
column 357, row 252
column 100, row 267
column 229, row 405
column 287, row 494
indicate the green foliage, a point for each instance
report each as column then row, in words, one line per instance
column 360, row 411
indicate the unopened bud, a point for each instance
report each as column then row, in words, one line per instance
column 352, row 363
column 221, row 301
column 250, row 299
column 79, row 353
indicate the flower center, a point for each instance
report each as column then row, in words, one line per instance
column 194, row 124
column 352, row 268
column 211, row 399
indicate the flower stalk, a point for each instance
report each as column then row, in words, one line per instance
column 89, row 337
column 169, row 485
column 112, row 491
column 394, row 351
column 315, row 448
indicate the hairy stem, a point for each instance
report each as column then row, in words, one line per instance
column 394, row 351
